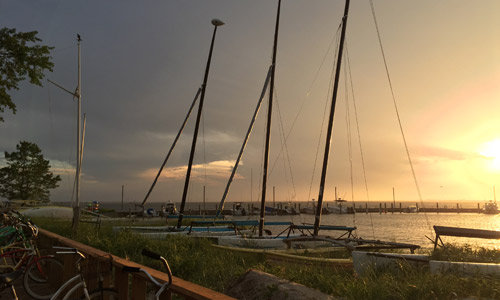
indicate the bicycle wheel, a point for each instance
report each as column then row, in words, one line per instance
column 43, row 277
column 105, row 293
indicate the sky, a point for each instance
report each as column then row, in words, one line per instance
column 143, row 63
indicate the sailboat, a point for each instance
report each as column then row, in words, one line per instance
column 491, row 207
column 291, row 239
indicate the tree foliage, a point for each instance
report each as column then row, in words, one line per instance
column 18, row 59
column 27, row 175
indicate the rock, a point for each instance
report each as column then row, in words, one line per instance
column 257, row 285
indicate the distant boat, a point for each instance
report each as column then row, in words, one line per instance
column 338, row 208
column 311, row 208
column 412, row 209
column 490, row 208
column 238, row 210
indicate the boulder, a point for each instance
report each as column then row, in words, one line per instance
column 257, row 285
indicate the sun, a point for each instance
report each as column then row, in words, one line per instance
column 491, row 150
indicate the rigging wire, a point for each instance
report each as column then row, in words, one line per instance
column 348, row 131
column 397, row 112
column 204, row 151
column 286, row 155
column 63, row 165
column 336, row 39
column 348, row 65
column 284, row 147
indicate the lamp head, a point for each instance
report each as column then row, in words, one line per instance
column 217, row 22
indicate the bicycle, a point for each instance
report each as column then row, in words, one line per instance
column 7, row 279
column 78, row 284
column 162, row 287
column 23, row 255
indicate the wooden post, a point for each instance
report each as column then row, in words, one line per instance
column 139, row 290
column 366, row 208
column 392, row 208
column 380, row 208
column 121, row 283
column 437, row 207
column 458, row 208
column 400, row 208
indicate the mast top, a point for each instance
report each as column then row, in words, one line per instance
column 217, row 22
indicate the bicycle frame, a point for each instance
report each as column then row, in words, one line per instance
column 68, row 283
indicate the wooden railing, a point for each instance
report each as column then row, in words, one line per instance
column 110, row 267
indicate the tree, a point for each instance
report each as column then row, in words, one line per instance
column 18, row 60
column 27, row 175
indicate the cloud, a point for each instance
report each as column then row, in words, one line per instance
column 212, row 171
column 434, row 154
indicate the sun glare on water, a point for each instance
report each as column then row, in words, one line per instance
column 491, row 150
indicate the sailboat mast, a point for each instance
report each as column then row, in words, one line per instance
column 216, row 23
column 317, row 220
column 76, row 208
column 268, row 130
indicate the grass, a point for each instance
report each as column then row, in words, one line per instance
column 194, row 259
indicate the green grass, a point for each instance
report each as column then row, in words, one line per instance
column 195, row 260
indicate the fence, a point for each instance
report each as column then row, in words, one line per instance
column 136, row 288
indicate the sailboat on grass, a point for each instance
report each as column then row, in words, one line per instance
column 288, row 238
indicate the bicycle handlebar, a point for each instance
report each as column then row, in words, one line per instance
column 151, row 254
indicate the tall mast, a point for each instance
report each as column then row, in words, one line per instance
column 216, row 24
column 268, row 131
column 317, row 220
column 76, row 209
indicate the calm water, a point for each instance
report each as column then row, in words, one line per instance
column 399, row 227
column 407, row 228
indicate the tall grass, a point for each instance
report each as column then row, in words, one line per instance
column 195, row 260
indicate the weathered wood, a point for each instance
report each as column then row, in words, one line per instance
column 182, row 288
column 121, row 283
column 463, row 232
column 139, row 290
column 467, row 232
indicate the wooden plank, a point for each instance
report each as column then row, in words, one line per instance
column 121, row 283
column 180, row 287
column 139, row 290
column 467, row 232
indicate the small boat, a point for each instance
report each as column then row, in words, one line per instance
column 169, row 209
column 238, row 210
column 490, row 208
column 286, row 208
column 338, row 208
column 412, row 209
column 310, row 209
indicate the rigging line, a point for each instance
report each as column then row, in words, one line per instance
column 325, row 109
column 245, row 141
column 172, row 147
column 284, row 145
column 204, row 147
column 397, row 113
column 334, row 38
column 348, row 125
column 286, row 155
column 359, row 136
column 63, row 165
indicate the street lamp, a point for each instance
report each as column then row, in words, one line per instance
column 216, row 23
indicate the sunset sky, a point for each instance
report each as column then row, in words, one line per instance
column 143, row 63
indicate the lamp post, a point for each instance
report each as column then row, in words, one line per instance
column 216, row 23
